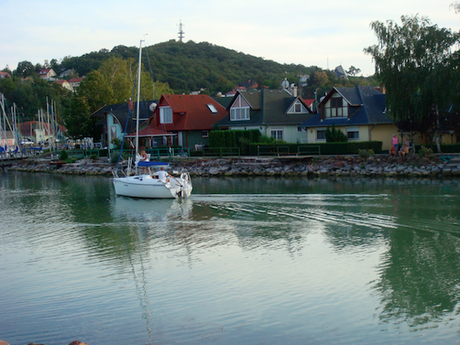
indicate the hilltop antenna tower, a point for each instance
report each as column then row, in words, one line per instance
column 181, row 31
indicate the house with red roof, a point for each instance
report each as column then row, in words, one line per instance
column 189, row 117
column 4, row 75
column 47, row 74
column 75, row 82
column 40, row 132
column 65, row 84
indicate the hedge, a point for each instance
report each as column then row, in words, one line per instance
column 328, row 148
column 452, row 148
column 241, row 139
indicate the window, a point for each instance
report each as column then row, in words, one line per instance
column 297, row 108
column 277, row 134
column 166, row 115
column 321, row 134
column 237, row 114
column 212, row 108
column 336, row 107
column 353, row 133
column 204, row 134
column 240, row 110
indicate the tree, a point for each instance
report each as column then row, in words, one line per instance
column 96, row 90
column 25, row 69
column 352, row 71
column 119, row 75
column 335, row 135
column 413, row 61
column 77, row 121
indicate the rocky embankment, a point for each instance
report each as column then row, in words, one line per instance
column 378, row 165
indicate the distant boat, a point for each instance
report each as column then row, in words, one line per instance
column 151, row 185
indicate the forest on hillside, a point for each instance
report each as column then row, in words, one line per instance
column 174, row 66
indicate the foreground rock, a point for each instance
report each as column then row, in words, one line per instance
column 375, row 166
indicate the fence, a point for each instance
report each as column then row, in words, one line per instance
column 275, row 150
column 309, row 150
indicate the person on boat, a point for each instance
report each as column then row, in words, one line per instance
column 143, row 157
column 162, row 175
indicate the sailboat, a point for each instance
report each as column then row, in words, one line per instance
column 151, row 185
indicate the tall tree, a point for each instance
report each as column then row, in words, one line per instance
column 25, row 69
column 413, row 61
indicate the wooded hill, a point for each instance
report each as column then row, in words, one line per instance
column 191, row 66
column 176, row 67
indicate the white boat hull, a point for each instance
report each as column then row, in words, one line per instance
column 146, row 187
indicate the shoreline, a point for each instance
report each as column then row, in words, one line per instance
column 311, row 166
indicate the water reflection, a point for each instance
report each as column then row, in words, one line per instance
column 276, row 252
column 419, row 280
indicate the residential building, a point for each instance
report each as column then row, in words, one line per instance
column 65, row 84
column 116, row 118
column 360, row 112
column 4, row 75
column 47, row 74
column 40, row 132
column 75, row 83
column 275, row 113
column 189, row 117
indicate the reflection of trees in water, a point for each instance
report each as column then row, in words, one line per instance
column 419, row 282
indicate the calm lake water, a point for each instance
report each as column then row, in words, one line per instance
column 243, row 261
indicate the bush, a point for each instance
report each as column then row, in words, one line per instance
column 363, row 153
column 117, row 143
column 230, row 138
column 328, row 148
column 335, row 135
column 63, row 156
column 425, row 151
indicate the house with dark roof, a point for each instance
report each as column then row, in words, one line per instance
column 275, row 113
column 360, row 112
column 116, row 118
column 189, row 117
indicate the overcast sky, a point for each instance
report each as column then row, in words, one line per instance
column 312, row 33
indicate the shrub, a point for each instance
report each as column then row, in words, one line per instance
column 335, row 135
column 425, row 151
column 63, row 156
column 366, row 153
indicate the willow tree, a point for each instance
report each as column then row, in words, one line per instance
column 416, row 63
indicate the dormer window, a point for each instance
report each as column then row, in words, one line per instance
column 336, row 107
column 240, row 110
column 297, row 108
column 166, row 115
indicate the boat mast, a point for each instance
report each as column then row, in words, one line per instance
column 138, row 97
